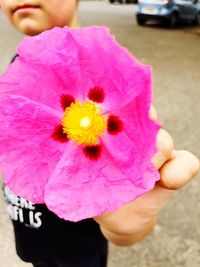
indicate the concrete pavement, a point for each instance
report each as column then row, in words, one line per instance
column 175, row 57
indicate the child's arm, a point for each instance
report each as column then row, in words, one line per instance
column 134, row 221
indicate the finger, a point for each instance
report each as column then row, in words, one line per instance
column 153, row 113
column 165, row 147
column 179, row 170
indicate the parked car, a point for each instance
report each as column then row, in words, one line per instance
column 168, row 11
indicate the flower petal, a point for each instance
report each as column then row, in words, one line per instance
column 73, row 62
column 51, row 47
column 82, row 188
column 59, row 135
column 96, row 94
column 137, row 124
column 110, row 67
column 67, row 62
column 114, row 125
column 43, row 83
column 28, row 154
column 93, row 152
column 66, row 101
column 138, row 135
column 133, row 148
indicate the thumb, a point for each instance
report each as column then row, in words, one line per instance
column 179, row 170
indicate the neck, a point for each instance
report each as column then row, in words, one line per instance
column 75, row 22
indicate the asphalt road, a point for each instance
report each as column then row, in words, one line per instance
column 175, row 58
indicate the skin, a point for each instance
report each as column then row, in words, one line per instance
column 44, row 15
column 135, row 220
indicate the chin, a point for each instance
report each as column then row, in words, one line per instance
column 30, row 32
column 30, row 27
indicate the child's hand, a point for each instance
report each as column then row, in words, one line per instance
column 135, row 220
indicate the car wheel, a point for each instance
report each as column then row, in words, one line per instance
column 197, row 19
column 173, row 21
column 140, row 21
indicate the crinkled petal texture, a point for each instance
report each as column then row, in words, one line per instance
column 27, row 152
column 78, row 64
column 81, row 188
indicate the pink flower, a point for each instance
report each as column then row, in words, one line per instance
column 75, row 132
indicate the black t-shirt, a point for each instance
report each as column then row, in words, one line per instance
column 41, row 235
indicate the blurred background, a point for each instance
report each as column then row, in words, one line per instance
column 173, row 50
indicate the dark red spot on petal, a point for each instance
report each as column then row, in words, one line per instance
column 59, row 135
column 114, row 124
column 93, row 152
column 96, row 94
column 66, row 101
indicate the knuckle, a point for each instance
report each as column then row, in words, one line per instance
column 153, row 113
column 131, row 227
column 193, row 161
column 125, row 229
column 170, row 184
column 179, row 172
column 165, row 143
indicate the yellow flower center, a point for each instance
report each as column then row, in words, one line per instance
column 83, row 123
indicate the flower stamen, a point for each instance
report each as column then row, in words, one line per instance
column 83, row 123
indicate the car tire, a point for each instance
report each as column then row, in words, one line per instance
column 173, row 21
column 197, row 19
column 140, row 21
